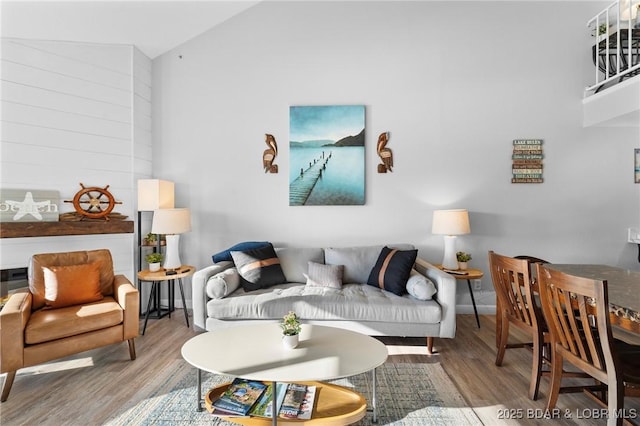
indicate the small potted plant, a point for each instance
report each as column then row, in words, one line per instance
column 290, row 330
column 463, row 258
column 154, row 259
column 150, row 239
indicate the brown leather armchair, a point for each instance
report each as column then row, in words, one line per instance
column 34, row 328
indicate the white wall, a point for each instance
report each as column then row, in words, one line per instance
column 453, row 82
column 71, row 113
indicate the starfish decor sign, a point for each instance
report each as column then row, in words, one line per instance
column 19, row 205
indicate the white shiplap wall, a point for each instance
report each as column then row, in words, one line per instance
column 72, row 113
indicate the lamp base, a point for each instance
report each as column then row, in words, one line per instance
column 450, row 261
column 172, row 256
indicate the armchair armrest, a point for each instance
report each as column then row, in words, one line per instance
column 127, row 297
column 446, row 295
column 13, row 320
column 199, row 287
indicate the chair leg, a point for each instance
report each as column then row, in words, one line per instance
column 429, row 345
column 616, row 403
column 502, row 345
column 6, row 387
column 132, row 349
column 536, row 368
column 556, row 378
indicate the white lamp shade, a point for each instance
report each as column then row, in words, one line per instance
column 171, row 221
column 451, row 222
column 154, row 194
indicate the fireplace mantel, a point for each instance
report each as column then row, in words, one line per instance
column 53, row 229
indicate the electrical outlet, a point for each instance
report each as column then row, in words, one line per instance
column 477, row 284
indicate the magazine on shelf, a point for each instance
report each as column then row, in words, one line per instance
column 239, row 397
column 264, row 407
column 292, row 401
column 306, row 408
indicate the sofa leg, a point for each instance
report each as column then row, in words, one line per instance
column 132, row 349
column 6, row 387
column 429, row 345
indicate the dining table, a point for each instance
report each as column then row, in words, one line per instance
column 623, row 286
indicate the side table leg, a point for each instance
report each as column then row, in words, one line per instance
column 146, row 317
column 473, row 301
column 184, row 303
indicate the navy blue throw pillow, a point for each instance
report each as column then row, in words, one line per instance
column 258, row 268
column 247, row 245
column 392, row 270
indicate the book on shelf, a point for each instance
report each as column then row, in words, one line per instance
column 264, row 406
column 293, row 399
column 239, row 397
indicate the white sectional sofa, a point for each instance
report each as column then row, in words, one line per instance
column 355, row 305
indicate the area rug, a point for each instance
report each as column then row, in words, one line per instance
column 408, row 394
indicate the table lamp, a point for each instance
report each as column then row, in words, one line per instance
column 171, row 223
column 450, row 223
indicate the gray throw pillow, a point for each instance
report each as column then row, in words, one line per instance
column 321, row 275
column 420, row 286
column 222, row 284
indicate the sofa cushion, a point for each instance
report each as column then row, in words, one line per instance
column 223, row 283
column 258, row 268
column 353, row 302
column 50, row 324
column 71, row 285
column 392, row 270
column 294, row 261
column 321, row 275
column 246, row 245
column 419, row 286
column 357, row 261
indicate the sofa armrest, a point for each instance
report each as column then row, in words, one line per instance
column 199, row 287
column 446, row 295
column 13, row 320
column 127, row 297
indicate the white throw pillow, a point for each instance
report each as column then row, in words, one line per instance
column 420, row 286
column 223, row 283
column 321, row 275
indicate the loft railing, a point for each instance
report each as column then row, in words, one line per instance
column 616, row 43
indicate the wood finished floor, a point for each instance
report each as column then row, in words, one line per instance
column 88, row 388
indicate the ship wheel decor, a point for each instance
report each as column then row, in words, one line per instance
column 94, row 203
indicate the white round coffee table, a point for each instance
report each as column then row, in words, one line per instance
column 255, row 352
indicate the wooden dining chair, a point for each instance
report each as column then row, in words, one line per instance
column 517, row 306
column 576, row 310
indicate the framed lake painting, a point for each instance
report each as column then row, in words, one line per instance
column 326, row 155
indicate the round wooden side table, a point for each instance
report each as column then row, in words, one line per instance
column 170, row 277
column 467, row 274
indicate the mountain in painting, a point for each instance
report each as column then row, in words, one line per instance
column 357, row 140
column 311, row 144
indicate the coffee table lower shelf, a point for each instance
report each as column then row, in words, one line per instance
column 334, row 405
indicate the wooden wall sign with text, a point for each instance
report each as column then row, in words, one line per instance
column 527, row 161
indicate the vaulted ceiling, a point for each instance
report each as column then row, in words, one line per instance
column 154, row 26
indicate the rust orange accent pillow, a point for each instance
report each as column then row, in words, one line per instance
column 71, row 285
